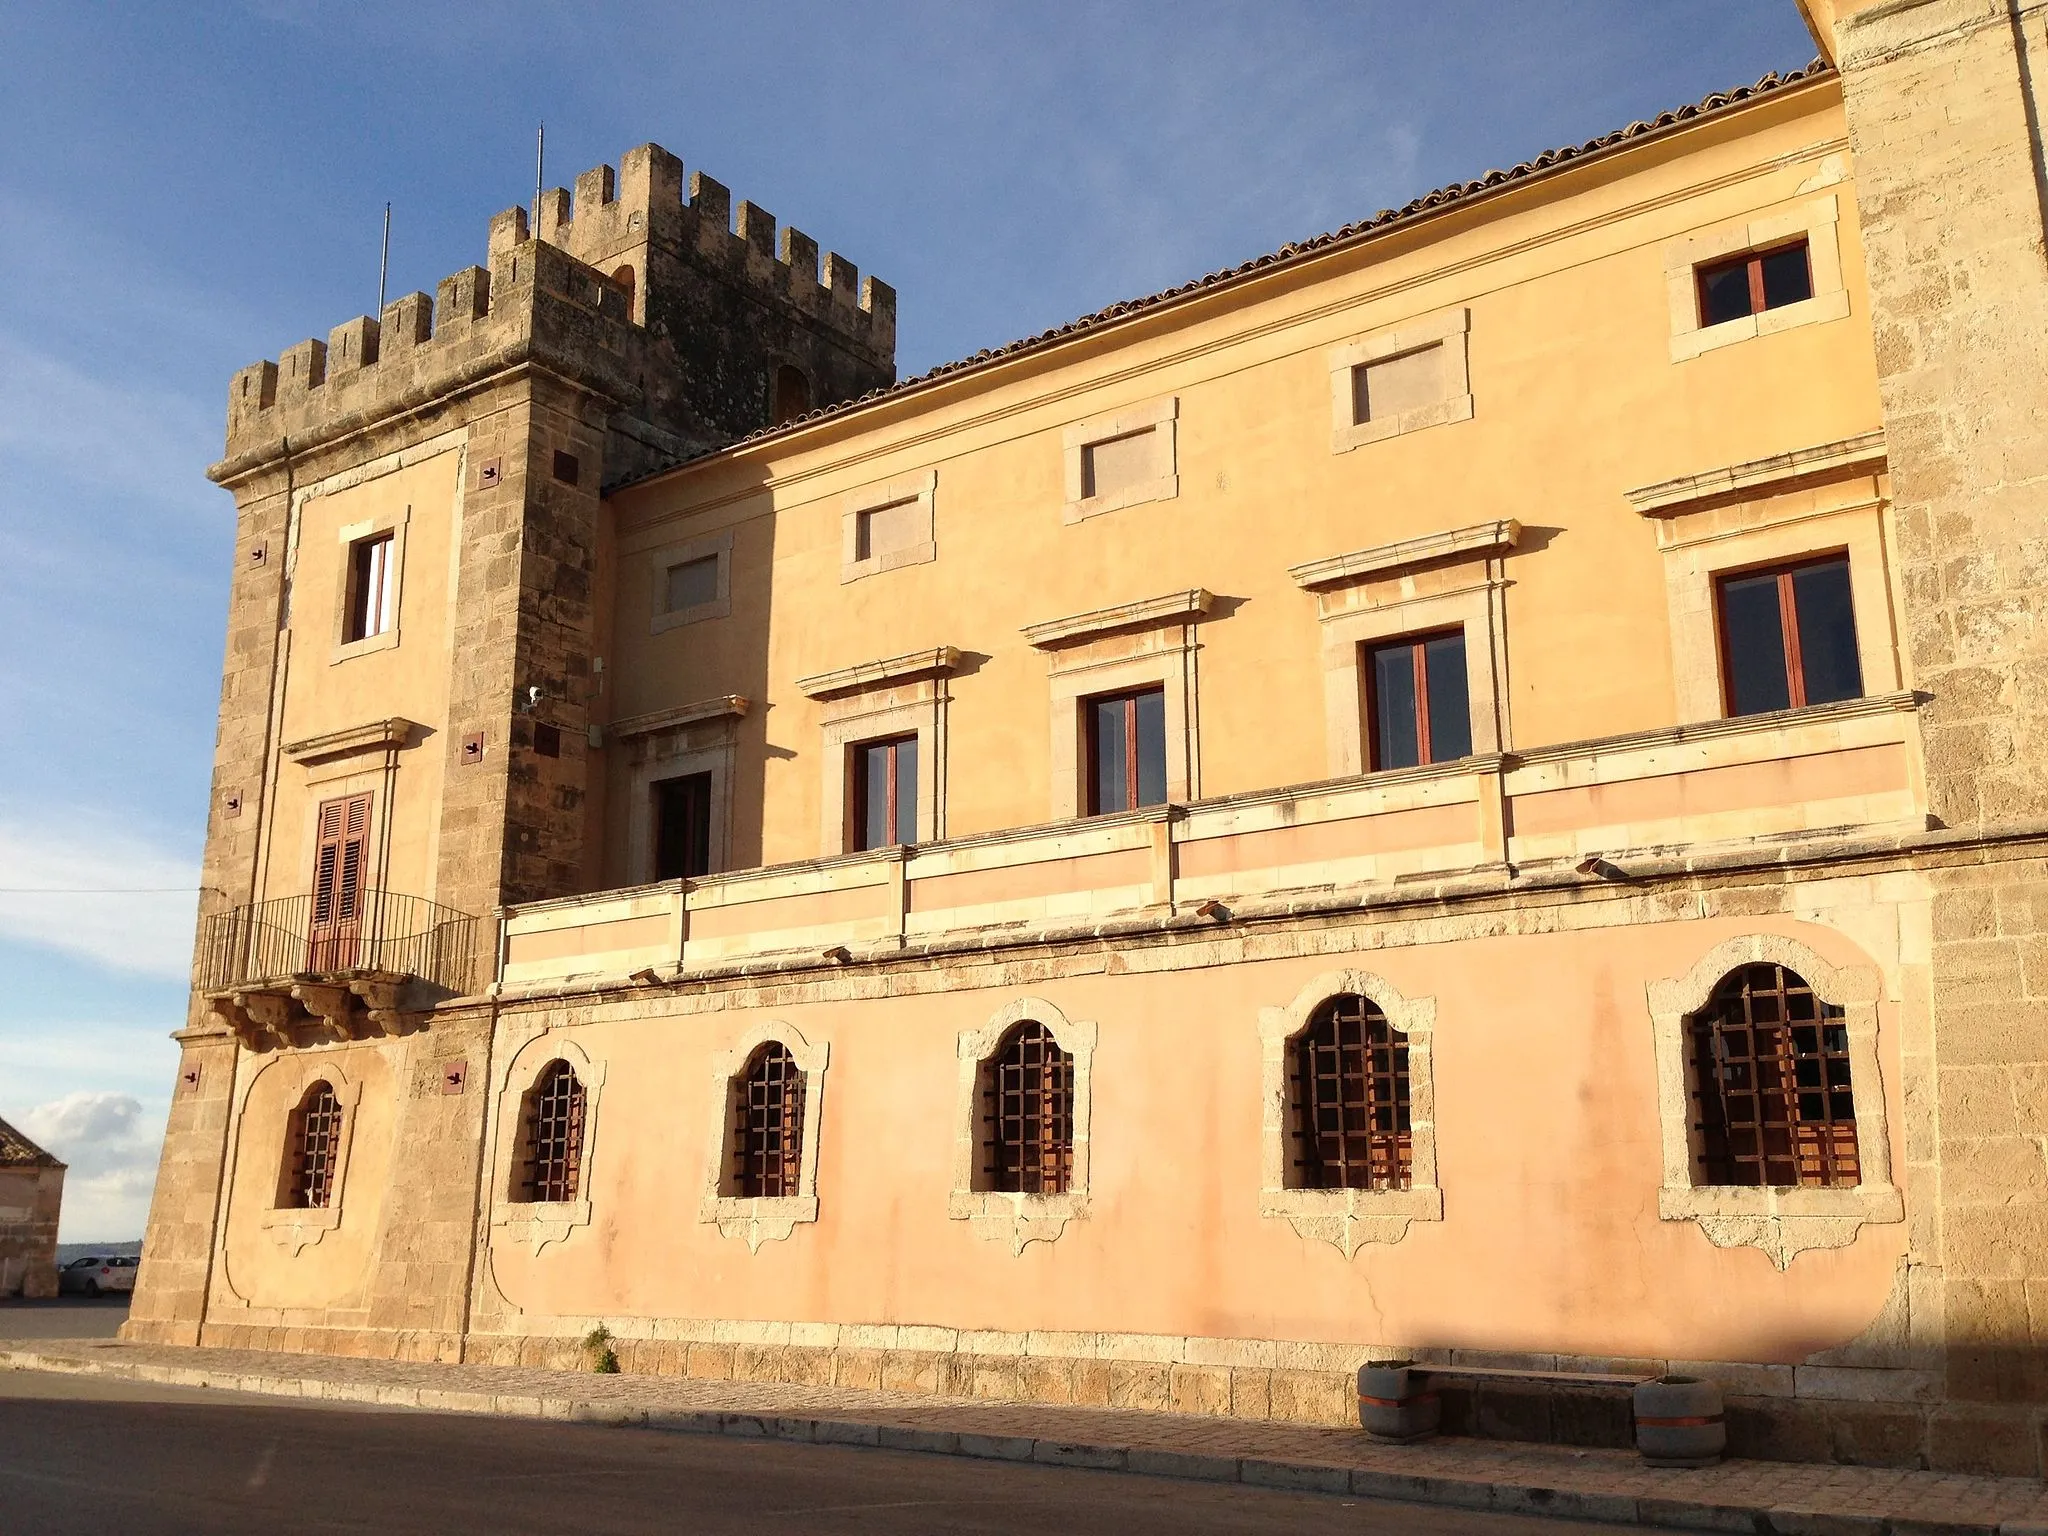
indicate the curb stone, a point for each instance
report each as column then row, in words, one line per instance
column 1754, row 1519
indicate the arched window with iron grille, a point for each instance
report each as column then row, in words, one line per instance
column 768, row 1125
column 1350, row 1091
column 551, row 1137
column 312, row 1143
column 1771, row 1084
column 1027, row 1094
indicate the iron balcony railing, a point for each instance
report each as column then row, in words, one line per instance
column 387, row 934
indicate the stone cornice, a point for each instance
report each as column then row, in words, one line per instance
column 726, row 704
column 1174, row 608
column 1476, row 541
column 377, row 736
column 879, row 674
column 1863, row 454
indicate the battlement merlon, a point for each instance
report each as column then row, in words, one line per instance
column 610, row 219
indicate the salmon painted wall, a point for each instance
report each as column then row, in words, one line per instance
column 1547, row 1144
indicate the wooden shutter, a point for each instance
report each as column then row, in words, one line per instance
column 340, row 865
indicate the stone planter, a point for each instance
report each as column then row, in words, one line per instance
column 1394, row 1402
column 1678, row 1422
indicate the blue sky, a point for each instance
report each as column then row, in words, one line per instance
column 186, row 188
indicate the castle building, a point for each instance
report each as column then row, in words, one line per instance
column 1467, row 789
column 31, row 1197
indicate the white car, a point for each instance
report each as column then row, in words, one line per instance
column 96, row 1276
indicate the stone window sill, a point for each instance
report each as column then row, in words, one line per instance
column 540, row 1222
column 760, row 1219
column 999, row 1216
column 300, row 1227
column 1348, row 1219
column 1782, row 1223
column 366, row 646
column 1814, row 311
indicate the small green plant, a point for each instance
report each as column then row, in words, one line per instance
column 597, row 1349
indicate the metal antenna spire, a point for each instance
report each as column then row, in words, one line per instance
column 540, row 160
column 384, row 262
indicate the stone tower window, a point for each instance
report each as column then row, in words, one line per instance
column 791, row 394
column 1028, row 1114
column 1753, row 282
column 550, row 1164
column 1771, row 1080
column 768, row 1125
column 312, row 1142
column 1351, row 1099
column 372, row 588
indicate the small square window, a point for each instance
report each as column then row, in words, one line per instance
column 1788, row 637
column 1391, row 387
column 567, row 467
column 1418, row 701
column 1754, row 282
column 1120, row 464
column 693, row 583
column 371, row 588
column 881, row 799
column 1126, row 751
column 885, row 530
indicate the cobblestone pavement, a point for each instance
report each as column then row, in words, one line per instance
column 1771, row 1497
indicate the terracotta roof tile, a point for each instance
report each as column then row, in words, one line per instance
column 17, row 1151
column 1429, row 202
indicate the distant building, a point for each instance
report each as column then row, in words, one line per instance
column 31, row 1191
column 1467, row 787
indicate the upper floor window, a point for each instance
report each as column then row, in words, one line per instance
column 768, row 1125
column 1417, row 701
column 682, row 827
column 881, row 801
column 372, row 585
column 692, row 583
column 792, row 394
column 312, row 1142
column 1788, row 637
column 1754, row 282
column 1351, row 1098
column 1121, row 460
column 550, row 1166
column 1771, row 1079
column 1028, row 1114
column 341, row 866
column 1126, row 751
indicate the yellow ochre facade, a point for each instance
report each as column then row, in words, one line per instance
column 1463, row 791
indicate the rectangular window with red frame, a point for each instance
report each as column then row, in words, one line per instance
column 1418, row 701
column 1126, row 751
column 1753, row 282
column 1788, row 637
column 881, row 802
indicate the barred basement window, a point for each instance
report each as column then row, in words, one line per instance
column 312, row 1141
column 1351, row 1100
column 768, row 1129
column 1028, row 1114
column 1771, row 1079
column 551, row 1138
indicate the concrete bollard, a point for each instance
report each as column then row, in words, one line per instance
column 1679, row 1423
column 1394, row 1402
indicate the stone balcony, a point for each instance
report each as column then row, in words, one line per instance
column 1592, row 806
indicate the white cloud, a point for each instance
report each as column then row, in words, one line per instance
column 64, row 884
column 111, row 1144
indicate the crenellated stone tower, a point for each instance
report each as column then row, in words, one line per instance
column 632, row 329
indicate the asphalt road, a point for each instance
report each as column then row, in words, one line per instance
column 79, row 1453
column 63, row 1317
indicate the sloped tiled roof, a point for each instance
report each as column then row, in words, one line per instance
column 17, row 1151
column 1429, row 202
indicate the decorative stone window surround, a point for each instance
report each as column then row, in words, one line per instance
column 1348, row 1219
column 540, row 1222
column 1762, row 513
column 763, row 1219
column 1818, row 220
column 296, row 1228
column 1162, row 417
column 665, row 559
column 901, row 696
column 920, row 489
column 1113, row 650
column 1449, row 330
column 1450, row 580
column 1781, row 1223
column 351, row 534
column 697, row 738
column 997, row 1215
